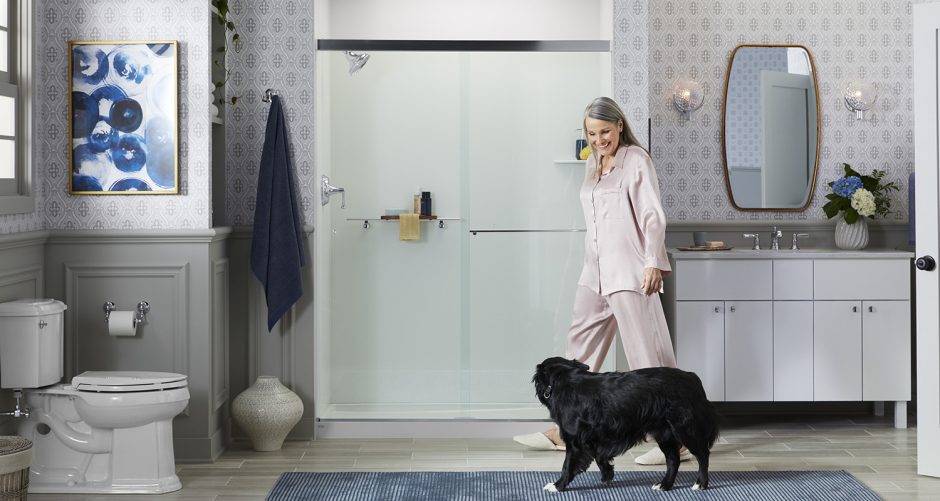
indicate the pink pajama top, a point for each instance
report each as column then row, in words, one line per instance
column 626, row 225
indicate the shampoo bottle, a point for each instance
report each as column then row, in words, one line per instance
column 579, row 145
column 425, row 203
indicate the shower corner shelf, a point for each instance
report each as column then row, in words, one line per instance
column 366, row 224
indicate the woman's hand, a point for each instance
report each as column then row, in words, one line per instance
column 652, row 280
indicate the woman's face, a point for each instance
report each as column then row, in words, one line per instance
column 604, row 137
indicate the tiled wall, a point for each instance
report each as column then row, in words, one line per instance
column 186, row 21
column 849, row 39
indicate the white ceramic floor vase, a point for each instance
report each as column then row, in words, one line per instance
column 852, row 236
column 267, row 411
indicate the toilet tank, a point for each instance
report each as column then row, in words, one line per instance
column 31, row 344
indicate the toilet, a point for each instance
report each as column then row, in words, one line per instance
column 104, row 431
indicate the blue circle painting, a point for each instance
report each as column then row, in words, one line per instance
column 124, row 117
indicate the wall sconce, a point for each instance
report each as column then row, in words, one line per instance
column 860, row 97
column 688, row 96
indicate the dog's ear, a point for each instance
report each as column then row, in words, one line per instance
column 580, row 365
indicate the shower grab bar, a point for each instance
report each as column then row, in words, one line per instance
column 366, row 224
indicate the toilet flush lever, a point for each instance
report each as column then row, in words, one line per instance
column 42, row 324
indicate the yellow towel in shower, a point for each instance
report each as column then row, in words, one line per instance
column 410, row 227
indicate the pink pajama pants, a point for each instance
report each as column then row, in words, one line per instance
column 640, row 319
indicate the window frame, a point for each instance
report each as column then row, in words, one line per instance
column 17, row 197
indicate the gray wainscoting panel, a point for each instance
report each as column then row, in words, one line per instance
column 21, row 276
column 183, row 275
column 286, row 351
column 160, row 342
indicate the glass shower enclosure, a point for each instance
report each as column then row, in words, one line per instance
column 449, row 326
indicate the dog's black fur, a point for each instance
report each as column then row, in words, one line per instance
column 602, row 415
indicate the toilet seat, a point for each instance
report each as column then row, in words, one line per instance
column 127, row 381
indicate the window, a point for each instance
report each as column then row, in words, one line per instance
column 15, row 105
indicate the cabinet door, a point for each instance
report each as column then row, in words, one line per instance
column 793, row 351
column 700, row 343
column 749, row 351
column 886, row 350
column 837, row 350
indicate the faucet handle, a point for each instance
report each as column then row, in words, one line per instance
column 756, row 238
column 796, row 242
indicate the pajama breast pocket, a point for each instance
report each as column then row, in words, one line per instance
column 610, row 203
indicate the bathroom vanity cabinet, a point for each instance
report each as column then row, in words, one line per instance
column 795, row 325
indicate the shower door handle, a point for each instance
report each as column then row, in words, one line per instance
column 327, row 190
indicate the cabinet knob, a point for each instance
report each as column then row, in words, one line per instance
column 854, row 309
column 717, row 310
column 732, row 309
column 925, row 263
column 871, row 309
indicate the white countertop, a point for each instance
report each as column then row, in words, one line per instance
column 747, row 253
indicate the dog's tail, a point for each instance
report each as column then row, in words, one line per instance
column 707, row 419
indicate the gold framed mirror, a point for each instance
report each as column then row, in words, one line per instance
column 770, row 128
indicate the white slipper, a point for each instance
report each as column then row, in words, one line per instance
column 538, row 441
column 655, row 456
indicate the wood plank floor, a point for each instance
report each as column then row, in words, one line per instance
column 882, row 457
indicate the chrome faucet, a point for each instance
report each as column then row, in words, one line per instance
column 756, row 238
column 775, row 237
column 796, row 240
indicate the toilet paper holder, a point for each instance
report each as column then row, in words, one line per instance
column 143, row 308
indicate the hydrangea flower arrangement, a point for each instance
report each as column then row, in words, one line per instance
column 857, row 195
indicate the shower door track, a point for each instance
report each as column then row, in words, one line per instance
column 466, row 45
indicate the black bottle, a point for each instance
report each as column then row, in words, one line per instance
column 425, row 203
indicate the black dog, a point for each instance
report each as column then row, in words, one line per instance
column 602, row 415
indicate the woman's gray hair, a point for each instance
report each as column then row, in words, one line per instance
column 606, row 109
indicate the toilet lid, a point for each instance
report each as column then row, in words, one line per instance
column 127, row 381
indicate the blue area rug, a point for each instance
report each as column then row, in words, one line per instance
column 527, row 485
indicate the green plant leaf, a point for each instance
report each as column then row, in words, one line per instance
column 235, row 37
column 831, row 210
column 220, row 49
column 234, row 99
column 230, row 25
column 851, row 216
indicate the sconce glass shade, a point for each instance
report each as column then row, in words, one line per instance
column 860, row 97
column 688, row 96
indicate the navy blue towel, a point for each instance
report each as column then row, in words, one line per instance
column 277, row 248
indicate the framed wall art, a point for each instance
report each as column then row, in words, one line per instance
column 123, row 119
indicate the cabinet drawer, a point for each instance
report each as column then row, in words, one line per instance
column 793, row 279
column 724, row 279
column 853, row 279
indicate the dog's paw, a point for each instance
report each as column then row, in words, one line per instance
column 550, row 487
column 658, row 487
column 698, row 487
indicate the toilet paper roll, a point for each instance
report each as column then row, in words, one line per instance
column 121, row 323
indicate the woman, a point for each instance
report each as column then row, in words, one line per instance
column 624, row 259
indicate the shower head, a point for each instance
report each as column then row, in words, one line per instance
column 356, row 60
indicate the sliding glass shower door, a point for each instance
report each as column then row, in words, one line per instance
column 449, row 326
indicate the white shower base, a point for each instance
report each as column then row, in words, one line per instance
column 430, row 421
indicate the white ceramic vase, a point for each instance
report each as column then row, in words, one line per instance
column 266, row 411
column 852, row 236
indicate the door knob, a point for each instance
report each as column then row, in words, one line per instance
column 926, row 263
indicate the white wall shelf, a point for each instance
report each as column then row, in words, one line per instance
column 570, row 162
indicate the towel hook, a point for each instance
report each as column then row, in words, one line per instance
column 268, row 94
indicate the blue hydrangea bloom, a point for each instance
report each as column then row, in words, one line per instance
column 845, row 186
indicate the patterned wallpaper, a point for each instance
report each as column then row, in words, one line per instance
column 278, row 53
column 655, row 43
column 848, row 39
column 186, row 21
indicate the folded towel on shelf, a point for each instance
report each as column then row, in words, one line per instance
column 277, row 246
column 410, row 227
